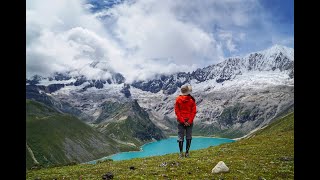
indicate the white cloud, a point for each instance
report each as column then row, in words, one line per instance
column 228, row 39
column 88, row 6
column 68, row 51
column 150, row 29
column 138, row 38
column 67, row 38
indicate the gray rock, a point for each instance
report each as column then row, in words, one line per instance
column 220, row 168
column 286, row 158
column 164, row 175
column 164, row 164
column 174, row 163
column 108, row 175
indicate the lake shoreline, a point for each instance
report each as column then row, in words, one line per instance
column 210, row 137
column 107, row 157
column 204, row 141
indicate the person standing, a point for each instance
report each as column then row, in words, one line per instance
column 185, row 110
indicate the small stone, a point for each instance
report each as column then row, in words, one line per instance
column 174, row 163
column 286, row 158
column 108, row 176
column 164, row 175
column 220, row 168
column 164, row 164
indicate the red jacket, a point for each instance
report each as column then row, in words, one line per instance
column 185, row 107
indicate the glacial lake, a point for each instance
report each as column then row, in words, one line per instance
column 166, row 146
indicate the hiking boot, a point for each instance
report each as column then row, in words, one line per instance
column 181, row 155
column 187, row 155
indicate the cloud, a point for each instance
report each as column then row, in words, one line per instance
column 68, row 51
column 228, row 39
column 88, row 6
column 65, row 38
column 156, row 33
column 142, row 38
column 250, row 24
column 138, row 44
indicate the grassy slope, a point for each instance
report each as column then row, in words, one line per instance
column 48, row 133
column 135, row 128
column 268, row 153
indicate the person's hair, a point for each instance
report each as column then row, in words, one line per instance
column 186, row 89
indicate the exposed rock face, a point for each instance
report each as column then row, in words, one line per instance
column 127, row 122
column 126, row 90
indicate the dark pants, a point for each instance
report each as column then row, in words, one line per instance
column 181, row 132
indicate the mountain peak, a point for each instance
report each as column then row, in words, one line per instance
column 277, row 48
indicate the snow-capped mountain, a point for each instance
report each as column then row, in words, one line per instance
column 75, row 78
column 233, row 97
column 276, row 59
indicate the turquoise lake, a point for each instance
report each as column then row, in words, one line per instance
column 166, row 146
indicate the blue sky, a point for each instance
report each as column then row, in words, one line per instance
column 282, row 12
column 142, row 38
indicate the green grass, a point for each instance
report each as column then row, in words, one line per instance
column 216, row 132
column 57, row 139
column 267, row 154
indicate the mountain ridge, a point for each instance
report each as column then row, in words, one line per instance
column 262, row 83
column 275, row 57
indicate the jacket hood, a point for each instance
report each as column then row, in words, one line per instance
column 185, row 98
